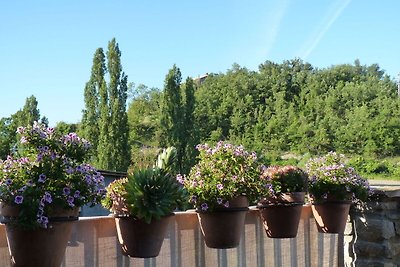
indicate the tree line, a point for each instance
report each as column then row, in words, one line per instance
column 289, row 107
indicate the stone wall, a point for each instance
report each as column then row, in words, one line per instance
column 372, row 237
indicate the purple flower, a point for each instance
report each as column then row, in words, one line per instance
column 43, row 220
column 180, row 179
column 193, row 199
column 77, row 194
column 69, row 170
column 226, row 204
column 47, row 197
column 39, row 157
column 50, row 130
column 22, row 189
column 204, row 206
column 19, row 199
column 219, row 200
column 24, row 160
column 220, row 186
column 40, row 212
column 70, row 201
column 8, row 181
column 42, row 203
column 88, row 179
column 42, row 178
column 53, row 155
column 66, row 191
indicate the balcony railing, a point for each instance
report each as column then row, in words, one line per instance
column 94, row 243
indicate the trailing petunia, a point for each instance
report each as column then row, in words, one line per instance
column 47, row 170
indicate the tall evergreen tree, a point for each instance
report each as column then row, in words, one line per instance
column 91, row 113
column 118, row 93
column 188, row 136
column 172, row 114
column 104, row 120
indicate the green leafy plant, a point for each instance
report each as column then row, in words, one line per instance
column 222, row 173
column 331, row 179
column 276, row 180
column 148, row 193
column 47, row 171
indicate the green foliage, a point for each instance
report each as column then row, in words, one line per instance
column 222, row 173
column 144, row 122
column 48, row 171
column 143, row 117
column 8, row 126
column 376, row 167
column 148, row 193
column 177, row 118
column 332, row 179
column 279, row 180
column 104, row 120
column 283, row 107
column 93, row 93
column 66, row 128
column 171, row 109
column 114, row 198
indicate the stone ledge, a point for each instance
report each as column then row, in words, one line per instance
column 390, row 188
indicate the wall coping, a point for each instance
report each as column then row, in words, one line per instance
column 390, row 188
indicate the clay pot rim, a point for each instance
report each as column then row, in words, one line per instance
column 322, row 202
column 235, row 209
column 131, row 216
column 279, row 204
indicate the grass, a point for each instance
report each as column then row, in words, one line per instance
column 381, row 177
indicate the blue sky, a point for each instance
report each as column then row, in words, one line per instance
column 47, row 47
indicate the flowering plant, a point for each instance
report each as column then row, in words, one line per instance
column 331, row 179
column 278, row 180
column 222, row 173
column 47, row 171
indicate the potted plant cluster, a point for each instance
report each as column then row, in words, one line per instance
column 42, row 185
column 283, row 192
column 333, row 186
column 143, row 204
column 220, row 187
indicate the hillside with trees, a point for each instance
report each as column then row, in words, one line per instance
column 288, row 108
column 282, row 110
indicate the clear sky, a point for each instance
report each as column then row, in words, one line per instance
column 47, row 47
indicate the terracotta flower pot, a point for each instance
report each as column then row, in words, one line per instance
column 140, row 239
column 281, row 220
column 223, row 227
column 39, row 247
column 281, row 215
column 331, row 216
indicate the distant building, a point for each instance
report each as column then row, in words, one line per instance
column 200, row 80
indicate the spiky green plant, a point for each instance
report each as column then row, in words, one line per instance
column 150, row 193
